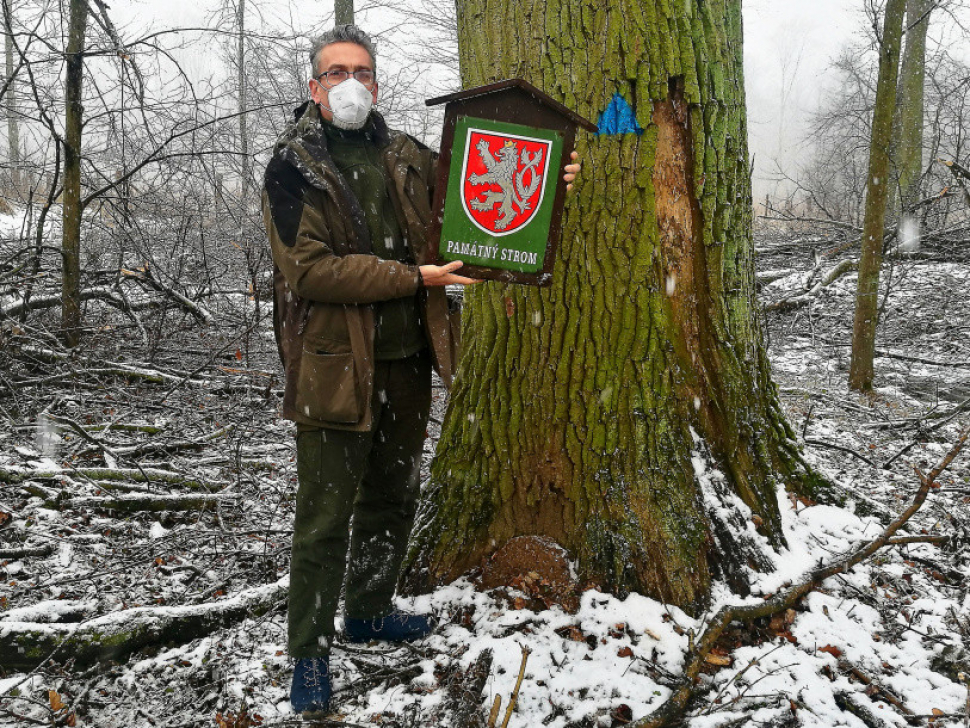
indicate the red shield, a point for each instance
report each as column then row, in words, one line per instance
column 503, row 177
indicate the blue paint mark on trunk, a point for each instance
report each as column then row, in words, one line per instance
column 618, row 118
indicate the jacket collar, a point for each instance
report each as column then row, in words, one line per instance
column 304, row 145
column 307, row 124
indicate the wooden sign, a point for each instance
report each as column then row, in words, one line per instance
column 499, row 193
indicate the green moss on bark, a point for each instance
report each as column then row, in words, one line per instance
column 575, row 409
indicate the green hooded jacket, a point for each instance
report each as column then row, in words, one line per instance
column 326, row 277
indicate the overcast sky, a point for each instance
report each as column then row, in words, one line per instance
column 788, row 47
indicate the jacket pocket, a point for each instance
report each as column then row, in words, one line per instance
column 327, row 390
column 325, row 329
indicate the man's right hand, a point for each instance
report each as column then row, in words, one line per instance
column 443, row 275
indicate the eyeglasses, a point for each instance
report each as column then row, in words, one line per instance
column 332, row 78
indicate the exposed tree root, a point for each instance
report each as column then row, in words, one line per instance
column 673, row 708
column 115, row 636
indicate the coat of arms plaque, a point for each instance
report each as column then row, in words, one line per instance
column 499, row 195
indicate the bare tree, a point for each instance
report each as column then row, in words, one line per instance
column 877, row 196
column 13, row 129
column 73, row 123
column 244, row 157
column 909, row 146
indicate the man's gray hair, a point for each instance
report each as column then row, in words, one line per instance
column 343, row 34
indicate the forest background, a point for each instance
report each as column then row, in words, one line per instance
column 148, row 486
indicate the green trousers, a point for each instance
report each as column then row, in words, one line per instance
column 370, row 476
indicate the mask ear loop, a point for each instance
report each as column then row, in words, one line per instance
column 317, row 104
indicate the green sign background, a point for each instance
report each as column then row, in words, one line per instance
column 459, row 230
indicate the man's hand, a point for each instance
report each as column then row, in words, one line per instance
column 572, row 171
column 443, row 275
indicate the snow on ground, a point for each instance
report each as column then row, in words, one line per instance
column 583, row 668
column 878, row 646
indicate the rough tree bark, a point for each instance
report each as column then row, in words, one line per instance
column 877, row 195
column 585, row 412
column 909, row 149
column 72, row 208
column 343, row 12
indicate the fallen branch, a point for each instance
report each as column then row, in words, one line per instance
column 840, row 448
column 146, row 448
column 97, row 368
column 945, row 419
column 814, row 220
column 904, row 540
column 905, row 357
column 133, row 475
column 849, row 703
column 464, row 690
column 125, row 427
column 117, row 635
column 673, row 708
column 106, row 295
column 803, row 299
column 764, row 277
column 960, row 174
column 25, row 552
column 877, row 690
column 146, row 276
column 132, row 503
column 513, row 698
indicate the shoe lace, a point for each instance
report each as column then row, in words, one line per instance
column 312, row 675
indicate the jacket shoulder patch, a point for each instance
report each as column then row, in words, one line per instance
column 285, row 189
column 419, row 144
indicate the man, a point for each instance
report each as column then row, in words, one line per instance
column 360, row 319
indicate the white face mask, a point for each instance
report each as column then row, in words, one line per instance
column 350, row 103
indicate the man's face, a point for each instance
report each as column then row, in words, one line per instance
column 338, row 57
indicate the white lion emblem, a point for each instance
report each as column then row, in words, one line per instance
column 504, row 172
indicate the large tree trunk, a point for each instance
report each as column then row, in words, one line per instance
column 877, row 195
column 588, row 412
column 909, row 150
column 72, row 209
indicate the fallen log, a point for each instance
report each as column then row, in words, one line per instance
column 26, row 552
column 116, row 636
column 107, row 295
column 132, row 475
column 133, row 502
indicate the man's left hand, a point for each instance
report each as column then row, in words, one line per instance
column 572, row 171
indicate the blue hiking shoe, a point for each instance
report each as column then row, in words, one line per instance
column 395, row 627
column 310, row 692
